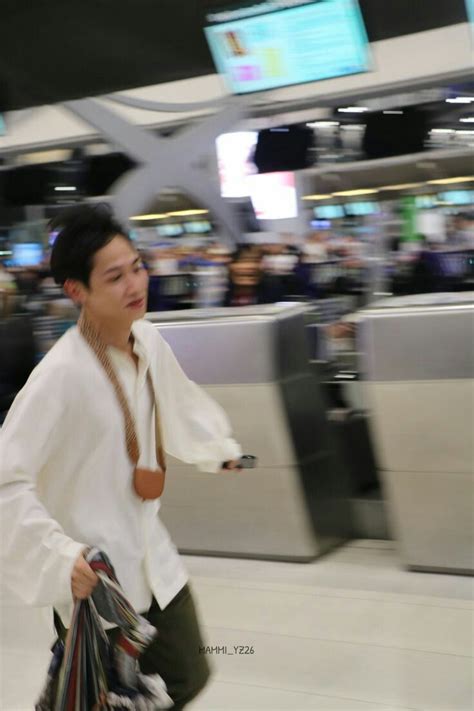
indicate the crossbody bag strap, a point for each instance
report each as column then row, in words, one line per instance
column 148, row 483
column 100, row 349
column 160, row 451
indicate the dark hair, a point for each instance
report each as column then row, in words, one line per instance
column 83, row 231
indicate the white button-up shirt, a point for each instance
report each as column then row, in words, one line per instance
column 66, row 478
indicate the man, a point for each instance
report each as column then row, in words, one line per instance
column 81, row 460
column 462, row 236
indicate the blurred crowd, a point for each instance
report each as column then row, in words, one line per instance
column 213, row 275
column 325, row 263
column 326, row 267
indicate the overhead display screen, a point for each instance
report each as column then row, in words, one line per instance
column 329, row 212
column 27, row 254
column 273, row 195
column 457, row 197
column 358, row 209
column 470, row 10
column 235, row 162
column 279, row 43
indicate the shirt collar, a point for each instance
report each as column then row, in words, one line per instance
column 139, row 348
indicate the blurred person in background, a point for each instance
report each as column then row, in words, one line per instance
column 82, row 455
column 163, row 262
column 17, row 345
column 8, row 288
column 7, row 280
column 315, row 247
column 278, row 265
column 212, row 277
column 278, row 259
column 462, row 235
column 28, row 280
column 245, row 273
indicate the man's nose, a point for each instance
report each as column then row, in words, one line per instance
column 133, row 283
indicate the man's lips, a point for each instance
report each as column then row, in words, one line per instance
column 136, row 304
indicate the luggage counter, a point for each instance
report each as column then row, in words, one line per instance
column 294, row 506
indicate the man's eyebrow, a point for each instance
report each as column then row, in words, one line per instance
column 118, row 268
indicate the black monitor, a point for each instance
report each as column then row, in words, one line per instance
column 389, row 134
column 285, row 148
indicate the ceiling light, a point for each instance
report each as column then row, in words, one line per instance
column 354, row 127
column 393, row 112
column 150, row 217
column 353, row 110
column 65, row 188
column 317, row 197
column 468, row 119
column 51, row 156
column 441, row 130
column 464, row 132
column 401, row 186
column 461, row 100
column 162, row 215
column 362, row 191
column 184, row 213
column 322, row 124
column 451, row 181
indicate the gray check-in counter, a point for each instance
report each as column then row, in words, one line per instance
column 419, row 371
column 294, row 505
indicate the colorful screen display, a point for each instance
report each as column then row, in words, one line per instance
column 470, row 10
column 329, row 212
column 197, row 227
column 27, row 254
column 235, row 162
column 458, row 197
column 273, row 195
column 425, row 201
column 360, row 208
column 276, row 43
column 169, row 230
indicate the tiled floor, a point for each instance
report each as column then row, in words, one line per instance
column 351, row 632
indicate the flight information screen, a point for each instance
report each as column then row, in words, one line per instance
column 276, row 43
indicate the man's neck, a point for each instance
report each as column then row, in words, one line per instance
column 113, row 334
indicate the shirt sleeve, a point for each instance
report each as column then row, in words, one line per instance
column 195, row 427
column 36, row 556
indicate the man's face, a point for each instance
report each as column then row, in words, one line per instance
column 118, row 284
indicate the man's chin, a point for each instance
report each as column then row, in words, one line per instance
column 136, row 314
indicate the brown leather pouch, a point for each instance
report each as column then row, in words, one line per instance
column 148, row 483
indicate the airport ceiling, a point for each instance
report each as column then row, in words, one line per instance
column 52, row 50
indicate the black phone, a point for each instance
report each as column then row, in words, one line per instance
column 248, row 461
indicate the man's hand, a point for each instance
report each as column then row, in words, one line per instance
column 83, row 579
column 232, row 464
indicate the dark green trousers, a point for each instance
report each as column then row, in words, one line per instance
column 174, row 654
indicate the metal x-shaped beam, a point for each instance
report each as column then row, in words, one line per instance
column 164, row 162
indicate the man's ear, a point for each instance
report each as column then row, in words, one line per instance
column 75, row 290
